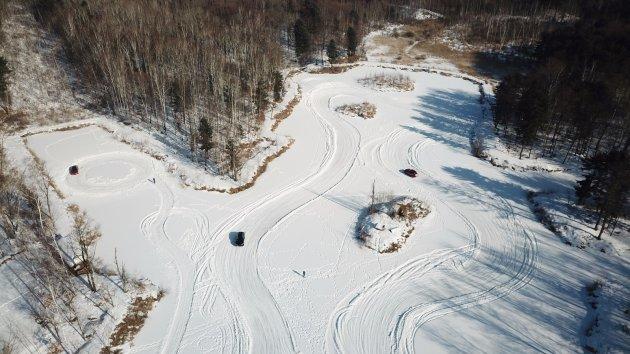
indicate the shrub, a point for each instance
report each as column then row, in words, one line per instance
column 477, row 147
column 396, row 82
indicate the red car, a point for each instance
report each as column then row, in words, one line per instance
column 409, row 172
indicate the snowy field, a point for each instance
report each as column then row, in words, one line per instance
column 478, row 274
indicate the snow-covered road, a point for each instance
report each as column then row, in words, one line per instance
column 479, row 245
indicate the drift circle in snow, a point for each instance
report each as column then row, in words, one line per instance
column 109, row 173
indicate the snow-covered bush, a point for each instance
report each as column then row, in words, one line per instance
column 388, row 82
column 477, row 147
column 364, row 110
column 386, row 226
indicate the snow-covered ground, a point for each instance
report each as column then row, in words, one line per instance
column 480, row 274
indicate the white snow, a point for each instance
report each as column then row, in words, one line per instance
column 480, row 274
column 424, row 14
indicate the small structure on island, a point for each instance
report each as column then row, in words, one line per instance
column 74, row 170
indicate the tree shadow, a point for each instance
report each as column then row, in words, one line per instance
column 498, row 66
column 449, row 115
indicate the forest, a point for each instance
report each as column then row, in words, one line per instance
column 204, row 72
column 576, row 102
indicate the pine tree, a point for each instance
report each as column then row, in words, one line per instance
column 303, row 43
column 507, row 96
column 351, row 41
column 210, row 84
column 312, row 17
column 606, row 186
column 331, row 51
column 278, row 86
column 261, row 98
column 230, row 149
column 531, row 115
column 205, row 135
column 4, row 84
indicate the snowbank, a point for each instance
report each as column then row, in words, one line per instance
column 574, row 225
column 424, row 14
column 386, row 227
column 605, row 330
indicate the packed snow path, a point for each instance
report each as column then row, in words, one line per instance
column 302, row 282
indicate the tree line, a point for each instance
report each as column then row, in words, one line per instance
column 504, row 22
column 576, row 102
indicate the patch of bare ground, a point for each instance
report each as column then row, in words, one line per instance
column 286, row 112
column 431, row 41
column 133, row 321
column 383, row 81
column 364, row 110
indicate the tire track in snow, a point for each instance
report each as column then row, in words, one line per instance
column 283, row 342
column 153, row 227
column 480, row 258
column 523, row 251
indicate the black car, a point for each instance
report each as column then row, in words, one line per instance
column 239, row 240
column 409, row 172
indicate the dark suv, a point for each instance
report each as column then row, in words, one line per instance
column 239, row 240
column 409, row 172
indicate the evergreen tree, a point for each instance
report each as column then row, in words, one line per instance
column 4, row 84
column 278, row 86
column 210, row 84
column 230, row 150
column 302, row 41
column 332, row 51
column 531, row 113
column 312, row 17
column 261, row 98
column 205, row 135
column 352, row 41
column 507, row 96
column 228, row 99
column 606, row 186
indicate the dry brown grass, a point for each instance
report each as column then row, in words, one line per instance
column 364, row 110
column 261, row 169
column 418, row 42
column 398, row 82
column 286, row 112
column 60, row 129
column 13, row 121
column 334, row 69
column 133, row 321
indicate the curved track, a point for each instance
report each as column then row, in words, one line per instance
column 499, row 259
column 489, row 260
column 267, row 329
